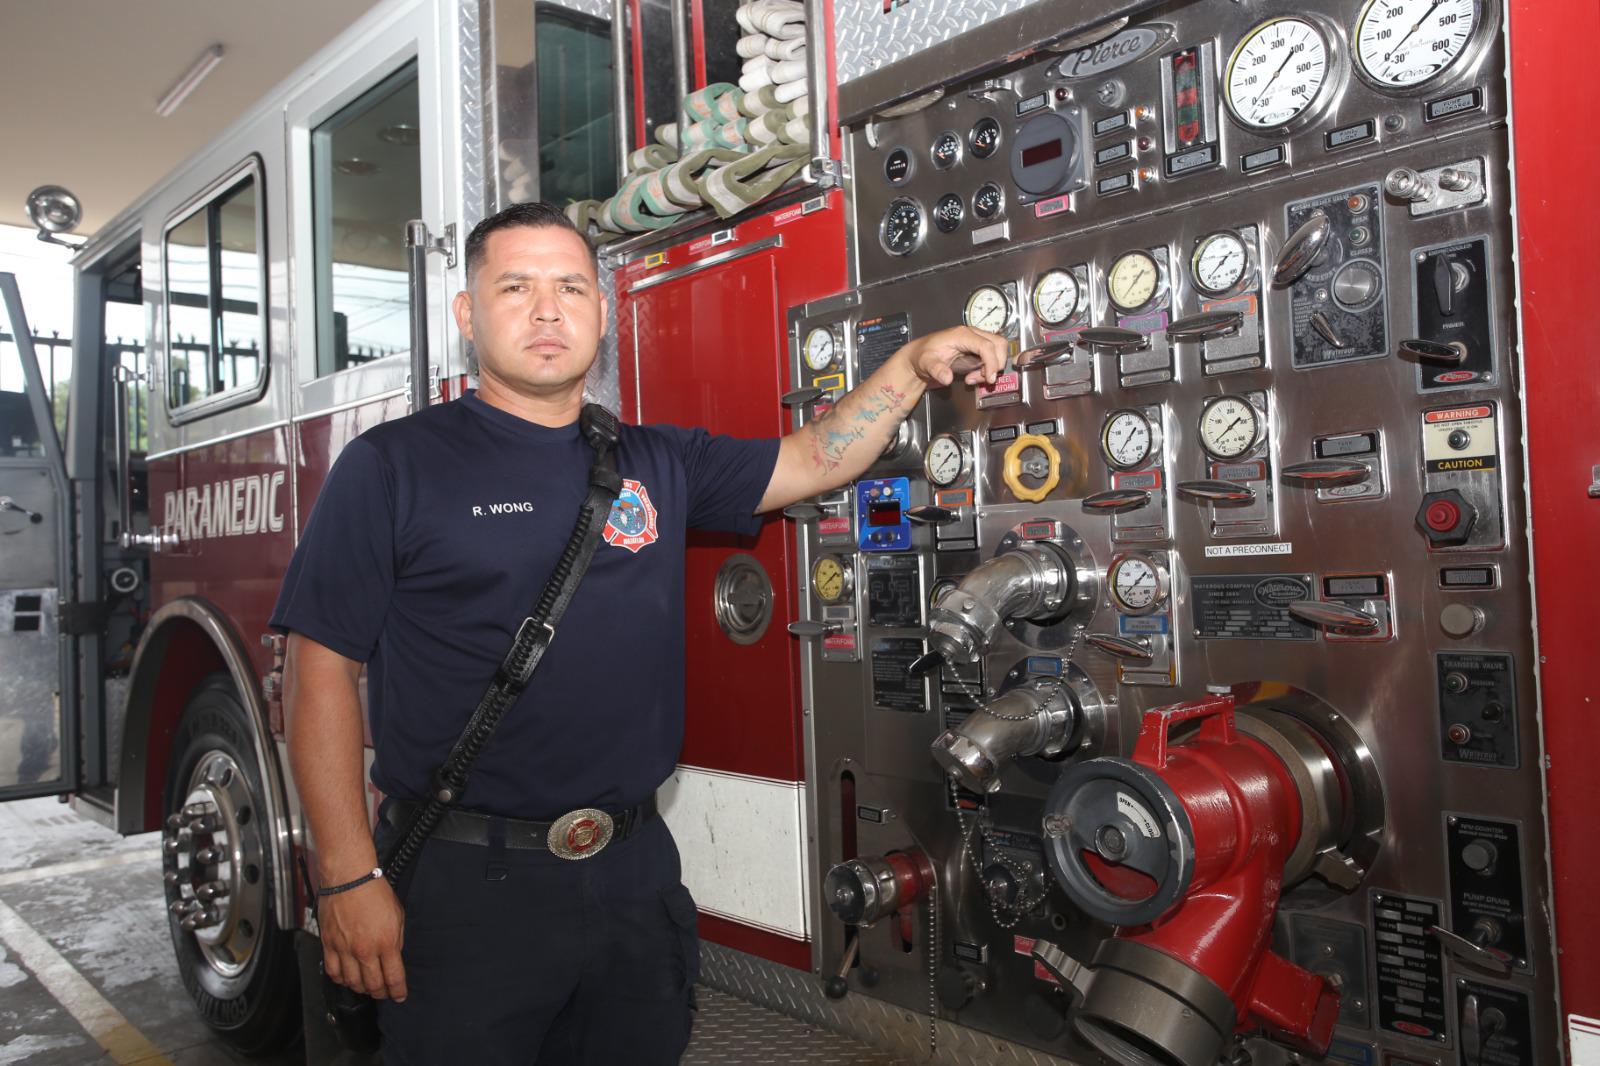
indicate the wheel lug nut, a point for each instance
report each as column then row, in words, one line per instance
column 212, row 890
column 170, row 845
column 174, row 821
column 208, row 856
column 170, row 878
column 200, row 825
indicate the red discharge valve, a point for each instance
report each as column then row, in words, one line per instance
column 1187, row 848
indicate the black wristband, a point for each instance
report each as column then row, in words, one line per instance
column 334, row 890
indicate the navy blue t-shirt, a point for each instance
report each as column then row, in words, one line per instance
column 430, row 543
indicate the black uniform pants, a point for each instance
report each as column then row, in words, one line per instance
column 520, row 957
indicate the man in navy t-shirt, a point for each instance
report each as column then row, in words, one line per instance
column 427, row 547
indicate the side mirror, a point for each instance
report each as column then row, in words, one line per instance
column 54, row 210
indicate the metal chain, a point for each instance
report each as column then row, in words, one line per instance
column 933, row 969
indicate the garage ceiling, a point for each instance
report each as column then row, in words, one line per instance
column 79, row 82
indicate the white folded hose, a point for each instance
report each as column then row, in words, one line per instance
column 780, row 50
column 784, row 19
column 790, row 91
column 789, row 70
column 752, row 45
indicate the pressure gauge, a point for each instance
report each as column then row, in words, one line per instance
column 819, row 350
column 1402, row 44
column 946, row 151
column 902, row 226
column 1138, row 583
column 1277, row 72
column 1055, row 297
column 988, row 201
column 948, row 212
column 831, row 579
column 1127, row 439
column 1229, row 426
column 984, row 138
column 1133, row 280
column 988, row 309
column 1220, row 263
column 946, row 460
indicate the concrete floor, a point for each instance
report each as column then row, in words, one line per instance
column 75, row 890
column 87, row 973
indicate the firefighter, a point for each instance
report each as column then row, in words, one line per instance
column 427, row 546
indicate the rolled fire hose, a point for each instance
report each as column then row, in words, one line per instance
column 758, row 103
column 732, row 188
column 784, row 19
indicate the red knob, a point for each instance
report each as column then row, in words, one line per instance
column 1442, row 516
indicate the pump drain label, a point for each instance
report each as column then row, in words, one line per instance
column 893, row 687
column 1410, row 968
column 1250, row 607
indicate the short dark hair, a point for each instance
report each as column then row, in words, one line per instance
column 534, row 214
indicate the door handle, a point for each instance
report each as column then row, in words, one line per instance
column 419, row 242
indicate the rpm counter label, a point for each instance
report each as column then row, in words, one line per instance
column 1250, row 607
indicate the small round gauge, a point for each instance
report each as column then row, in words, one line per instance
column 1277, row 72
column 1138, row 583
column 1220, row 262
column 1055, row 296
column 946, row 461
column 1127, row 439
column 1401, row 44
column 984, row 138
column 946, row 151
column 831, row 579
column 897, row 167
column 989, row 309
column 948, row 212
column 902, row 226
column 1229, row 426
column 988, row 201
column 819, row 350
column 1133, row 280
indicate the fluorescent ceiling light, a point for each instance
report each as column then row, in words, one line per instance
column 190, row 80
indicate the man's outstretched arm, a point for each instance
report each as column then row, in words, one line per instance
column 838, row 447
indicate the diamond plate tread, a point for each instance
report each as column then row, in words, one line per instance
column 732, row 1030
column 869, row 35
column 885, row 1026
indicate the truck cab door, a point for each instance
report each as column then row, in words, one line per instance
column 38, row 726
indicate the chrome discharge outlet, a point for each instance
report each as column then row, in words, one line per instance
column 1040, row 717
column 1036, row 581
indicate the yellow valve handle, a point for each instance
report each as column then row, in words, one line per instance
column 1013, row 470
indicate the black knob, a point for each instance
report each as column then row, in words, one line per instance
column 956, row 987
column 835, row 987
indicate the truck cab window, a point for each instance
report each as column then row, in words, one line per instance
column 366, row 185
column 214, row 289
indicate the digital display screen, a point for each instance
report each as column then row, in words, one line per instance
column 1043, row 153
column 1354, row 586
column 1467, row 576
column 883, row 513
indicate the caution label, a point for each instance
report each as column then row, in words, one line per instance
column 1460, row 439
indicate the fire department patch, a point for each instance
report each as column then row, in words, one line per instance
column 632, row 524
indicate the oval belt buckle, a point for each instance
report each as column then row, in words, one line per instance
column 580, row 834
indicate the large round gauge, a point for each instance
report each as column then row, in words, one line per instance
column 901, row 229
column 948, row 212
column 1220, row 263
column 989, row 309
column 946, row 461
column 946, row 151
column 1138, row 583
column 1127, row 439
column 988, row 201
column 1229, row 426
column 1133, row 280
column 984, row 138
column 1401, row 44
column 1277, row 72
column 830, row 579
column 819, row 349
column 1055, row 297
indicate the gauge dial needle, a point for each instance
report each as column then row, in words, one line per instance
column 1225, row 432
column 1389, row 55
column 1281, row 68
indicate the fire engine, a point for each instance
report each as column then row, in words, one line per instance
column 1211, row 688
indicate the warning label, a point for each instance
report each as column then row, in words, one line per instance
column 1460, row 439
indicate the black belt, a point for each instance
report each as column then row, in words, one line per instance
column 578, row 834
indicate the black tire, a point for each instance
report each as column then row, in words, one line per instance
column 236, row 963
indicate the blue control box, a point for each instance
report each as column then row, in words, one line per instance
column 881, row 522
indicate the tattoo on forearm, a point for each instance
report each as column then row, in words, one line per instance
column 830, row 440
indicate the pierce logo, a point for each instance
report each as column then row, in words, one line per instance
column 632, row 524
